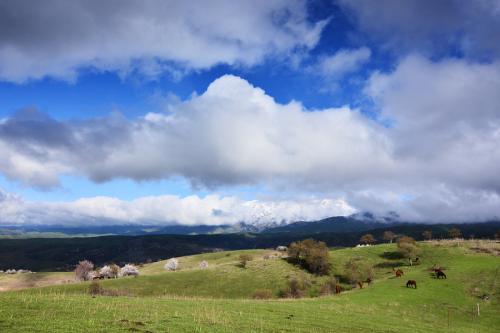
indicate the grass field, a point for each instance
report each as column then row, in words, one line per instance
column 218, row 299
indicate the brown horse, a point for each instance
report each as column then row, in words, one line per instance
column 399, row 273
column 338, row 289
column 411, row 283
column 360, row 284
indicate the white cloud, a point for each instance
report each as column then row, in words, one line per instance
column 58, row 38
column 166, row 210
column 343, row 62
column 438, row 159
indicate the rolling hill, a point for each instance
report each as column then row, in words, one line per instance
column 218, row 299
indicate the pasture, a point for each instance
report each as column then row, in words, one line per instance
column 218, row 299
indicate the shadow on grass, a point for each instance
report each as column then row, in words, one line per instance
column 389, row 264
column 391, row 255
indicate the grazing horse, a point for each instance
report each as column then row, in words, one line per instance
column 338, row 289
column 440, row 274
column 411, row 283
column 360, row 284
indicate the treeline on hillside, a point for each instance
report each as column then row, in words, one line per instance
column 62, row 254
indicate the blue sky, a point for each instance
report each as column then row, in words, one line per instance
column 279, row 110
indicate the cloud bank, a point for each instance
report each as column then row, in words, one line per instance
column 59, row 38
column 166, row 210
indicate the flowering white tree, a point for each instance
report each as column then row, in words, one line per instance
column 203, row 264
column 83, row 270
column 129, row 270
column 108, row 272
column 172, row 264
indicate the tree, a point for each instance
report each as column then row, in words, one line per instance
column 367, row 239
column 83, row 270
column 311, row 255
column 129, row 270
column 172, row 264
column 454, row 233
column 497, row 235
column 389, row 236
column 427, row 234
column 244, row 259
column 408, row 248
column 357, row 271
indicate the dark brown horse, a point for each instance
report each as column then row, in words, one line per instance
column 411, row 283
column 440, row 274
column 338, row 289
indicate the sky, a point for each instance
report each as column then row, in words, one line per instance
column 219, row 112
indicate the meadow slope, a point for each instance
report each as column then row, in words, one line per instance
column 218, row 299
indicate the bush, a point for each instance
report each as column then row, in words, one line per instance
column 83, row 270
column 244, row 259
column 328, row 287
column 172, row 264
column 357, row 271
column 263, row 294
column 408, row 248
column 129, row 270
column 109, row 272
column 95, row 288
column 312, row 255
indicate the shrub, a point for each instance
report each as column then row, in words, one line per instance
column 106, row 272
column 83, row 270
column 328, row 287
column 408, row 248
column 129, row 270
column 244, row 259
column 115, row 270
column 357, row 271
column 172, row 264
column 263, row 294
column 95, row 288
column 312, row 255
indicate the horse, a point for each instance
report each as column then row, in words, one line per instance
column 440, row 274
column 411, row 283
column 338, row 289
column 360, row 284
column 369, row 280
column 398, row 272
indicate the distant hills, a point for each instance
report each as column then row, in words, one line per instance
column 338, row 224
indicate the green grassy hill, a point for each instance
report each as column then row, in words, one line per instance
column 218, row 299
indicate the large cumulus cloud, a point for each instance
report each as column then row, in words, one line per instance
column 57, row 38
column 431, row 153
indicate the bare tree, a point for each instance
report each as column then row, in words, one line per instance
column 427, row 234
column 454, row 233
column 367, row 239
column 389, row 236
column 83, row 270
